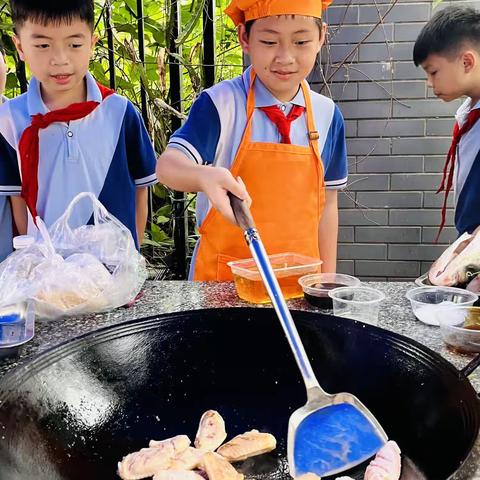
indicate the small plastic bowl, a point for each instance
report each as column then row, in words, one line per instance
column 317, row 285
column 426, row 301
column 460, row 328
column 359, row 303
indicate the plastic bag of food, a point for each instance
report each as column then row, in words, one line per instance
column 74, row 271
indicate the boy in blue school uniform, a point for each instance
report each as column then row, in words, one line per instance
column 448, row 49
column 7, row 217
column 67, row 134
column 267, row 136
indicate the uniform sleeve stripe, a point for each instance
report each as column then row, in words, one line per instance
column 340, row 181
column 187, row 148
column 143, row 182
column 7, row 189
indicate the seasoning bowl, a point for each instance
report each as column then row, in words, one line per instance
column 316, row 287
column 359, row 303
column 460, row 328
column 426, row 301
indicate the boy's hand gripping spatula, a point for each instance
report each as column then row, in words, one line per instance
column 330, row 433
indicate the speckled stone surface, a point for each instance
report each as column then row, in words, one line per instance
column 174, row 296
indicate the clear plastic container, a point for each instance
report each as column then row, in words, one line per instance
column 17, row 326
column 425, row 301
column 288, row 268
column 460, row 328
column 359, row 303
column 317, row 285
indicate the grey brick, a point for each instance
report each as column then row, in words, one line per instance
column 343, row 91
column 408, row 71
column 400, row 89
column 390, row 199
column 434, row 200
column 352, row 164
column 365, row 146
column 373, row 52
column 363, row 217
column 434, row 163
column 405, row 32
column 391, row 128
column 364, row 71
column 346, row 234
column 337, row 54
column 389, row 164
column 346, row 199
column 425, row 109
column 387, row 268
column 359, row 109
column 356, row 33
column 369, row 182
column 388, row 234
column 350, row 251
column 448, row 235
column 351, row 128
column 419, row 146
column 413, row 12
column 418, row 217
column 441, row 127
column 419, row 181
column 425, row 267
column 414, row 252
column 341, row 15
column 346, row 267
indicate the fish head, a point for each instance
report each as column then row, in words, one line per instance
column 459, row 263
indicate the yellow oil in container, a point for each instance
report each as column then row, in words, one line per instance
column 253, row 291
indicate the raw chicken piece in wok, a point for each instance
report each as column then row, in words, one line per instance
column 211, row 431
column 246, row 445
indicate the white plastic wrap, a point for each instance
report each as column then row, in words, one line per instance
column 74, row 271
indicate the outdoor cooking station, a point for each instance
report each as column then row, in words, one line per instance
column 176, row 296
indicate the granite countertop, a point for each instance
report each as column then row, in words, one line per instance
column 173, row 296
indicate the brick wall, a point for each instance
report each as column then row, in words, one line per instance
column 389, row 213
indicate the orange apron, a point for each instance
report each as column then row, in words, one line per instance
column 286, row 183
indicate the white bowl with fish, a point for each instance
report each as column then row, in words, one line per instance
column 427, row 301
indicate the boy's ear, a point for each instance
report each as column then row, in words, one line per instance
column 94, row 41
column 323, row 34
column 243, row 38
column 18, row 46
column 470, row 60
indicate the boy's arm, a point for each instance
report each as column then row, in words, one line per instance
column 141, row 212
column 19, row 213
column 328, row 232
column 179, row 172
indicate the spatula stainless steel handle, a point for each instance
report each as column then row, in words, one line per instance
column 245, row 221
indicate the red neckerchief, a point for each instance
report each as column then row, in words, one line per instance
column 283, row 122
column 449, row 166
column 29, row 143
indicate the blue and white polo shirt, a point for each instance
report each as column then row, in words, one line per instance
column 467, row 174
column 108, row 153
column 216, row 122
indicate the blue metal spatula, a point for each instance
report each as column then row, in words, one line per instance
column 330, row 433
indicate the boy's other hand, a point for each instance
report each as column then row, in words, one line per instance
column 216, row 183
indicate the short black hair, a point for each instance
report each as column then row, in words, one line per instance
column 446, row 32
column 249, row 24
column 47, row 11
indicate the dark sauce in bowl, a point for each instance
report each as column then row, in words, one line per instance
column 322, row 300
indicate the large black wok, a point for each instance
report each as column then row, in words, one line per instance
column 73, row 412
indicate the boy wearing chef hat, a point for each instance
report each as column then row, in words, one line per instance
column 267, row 137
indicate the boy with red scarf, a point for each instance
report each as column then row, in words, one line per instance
column 67, row 134
column 448, row 49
